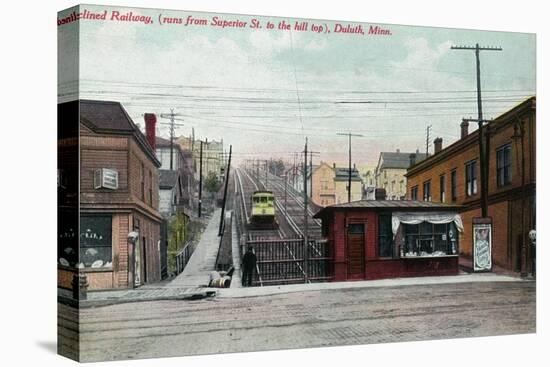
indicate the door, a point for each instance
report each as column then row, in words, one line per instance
column 144, row 256
column 356, row 250
column 137, row 263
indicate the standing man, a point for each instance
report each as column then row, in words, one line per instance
column 249, row 265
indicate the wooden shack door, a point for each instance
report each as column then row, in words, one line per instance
column 356, row 250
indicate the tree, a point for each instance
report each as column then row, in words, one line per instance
column 211, row 183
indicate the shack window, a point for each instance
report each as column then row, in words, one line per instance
column 95, row 241
column 427, row 239
column 385, row 236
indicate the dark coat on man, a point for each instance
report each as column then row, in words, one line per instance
column 249, row 261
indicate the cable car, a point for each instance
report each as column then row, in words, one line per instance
column 262, row 214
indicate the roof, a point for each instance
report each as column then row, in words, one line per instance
column 510, row 116
column 105, row 115
column 110, row 117
column 398, row 159
column 342, row 174
column 408, row 205
column 167, row 178
column 162, row 142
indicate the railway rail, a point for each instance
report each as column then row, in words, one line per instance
column 281, row 254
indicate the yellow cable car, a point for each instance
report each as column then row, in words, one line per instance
column 262, row 214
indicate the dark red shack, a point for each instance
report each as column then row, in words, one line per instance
column 375, row 239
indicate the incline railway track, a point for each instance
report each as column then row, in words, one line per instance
column 280, row 252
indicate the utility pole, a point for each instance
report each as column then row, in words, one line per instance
column 265, row 186
column 428, row 128
column 484, row 166
column 349, row 135
column 200, row 181
column 306, row 240
column 172, row 124
column 222, row 219
column 286, row 182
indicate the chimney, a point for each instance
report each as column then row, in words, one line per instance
column 438, row 145
column 398, row 151
column 379, row 194
column 464, row 129
column 412, row 159
column 150, row 126
column 333, row 165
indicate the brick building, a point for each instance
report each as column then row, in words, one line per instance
column 119, row 193
column 452, row 174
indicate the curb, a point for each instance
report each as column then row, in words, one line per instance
column 82, row 304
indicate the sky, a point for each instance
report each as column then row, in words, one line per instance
column 265, row 90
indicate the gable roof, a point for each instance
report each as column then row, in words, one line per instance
column 342, row 174
column 398, row 159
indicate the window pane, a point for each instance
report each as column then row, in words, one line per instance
column 95, row 241
column 356, row 228
column 385, row 236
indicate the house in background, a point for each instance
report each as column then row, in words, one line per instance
column 391, row 169
column 329, row 185
column 323, row 191
column 341, row 184
column 368, row 176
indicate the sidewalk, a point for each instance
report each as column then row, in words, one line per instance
column 394, row 282
column 191, row 284
column 203, row 261
column 466, row 264
column 235, row 251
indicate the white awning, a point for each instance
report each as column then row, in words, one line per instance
column 430, row 217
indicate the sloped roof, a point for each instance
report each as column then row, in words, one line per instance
column 398, row 159
column 111, row 118
column 162, row 142
column 342, row 174
column 167, row 178
column 407, row 205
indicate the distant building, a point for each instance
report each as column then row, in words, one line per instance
column 452, row 174
column 341, row 184
column 368, row 176
column 182, row 161
column 330, row 185
column 213, row 158
column 323, row 185
column 391, row 169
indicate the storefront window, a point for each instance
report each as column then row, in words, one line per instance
column 427, row 239
column 95, row 241
column 67, row 241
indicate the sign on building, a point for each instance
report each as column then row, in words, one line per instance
column 482, row 244
column 106, row 178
